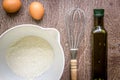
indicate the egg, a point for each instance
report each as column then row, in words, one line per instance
column 36, row 10
column 11, row 6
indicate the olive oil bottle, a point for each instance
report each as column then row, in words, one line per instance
column 99, row 47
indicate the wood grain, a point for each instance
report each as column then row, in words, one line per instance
column 55, row 11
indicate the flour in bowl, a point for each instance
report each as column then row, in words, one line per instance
column 29, row 57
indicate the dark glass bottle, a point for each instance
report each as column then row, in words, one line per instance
column 99, row 47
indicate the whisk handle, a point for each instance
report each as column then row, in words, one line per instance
column 73, row 69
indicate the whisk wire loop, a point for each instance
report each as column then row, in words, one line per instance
column 75, row 23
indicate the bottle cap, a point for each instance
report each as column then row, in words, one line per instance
column 98, row 12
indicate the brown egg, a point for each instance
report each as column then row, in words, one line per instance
column 11, row 6
column 36, row 10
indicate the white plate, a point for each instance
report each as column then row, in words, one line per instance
column 49, row 34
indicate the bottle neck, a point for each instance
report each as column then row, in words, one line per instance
column 98, row 21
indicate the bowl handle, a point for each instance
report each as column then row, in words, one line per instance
column 55, row 34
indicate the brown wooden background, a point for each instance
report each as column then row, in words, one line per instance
column 54, row 17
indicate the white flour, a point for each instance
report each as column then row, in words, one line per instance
column 29, row 57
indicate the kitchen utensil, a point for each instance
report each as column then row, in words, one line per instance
column 49, row 34
column 75, row 22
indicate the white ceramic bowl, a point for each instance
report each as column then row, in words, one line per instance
column 49, row 34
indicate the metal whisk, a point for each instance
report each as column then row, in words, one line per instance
column 75, row 23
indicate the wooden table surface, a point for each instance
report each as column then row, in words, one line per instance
column 55, row 11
